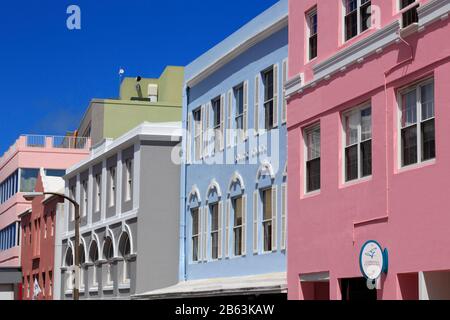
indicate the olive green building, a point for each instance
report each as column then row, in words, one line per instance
column 141, row 100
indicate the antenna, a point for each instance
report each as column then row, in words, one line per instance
column 121, row 74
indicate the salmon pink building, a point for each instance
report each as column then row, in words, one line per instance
column 368, row 147
column 19, row 169
column 38, row 239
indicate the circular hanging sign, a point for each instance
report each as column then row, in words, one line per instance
column 371, row 260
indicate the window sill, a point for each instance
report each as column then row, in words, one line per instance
column 311, row 194
column 356, row 38
column 93, row 289
column 416, row 166
column 355, row 182
column 108, row 288
column 124, row 286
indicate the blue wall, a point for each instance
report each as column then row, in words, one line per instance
column 272, row 50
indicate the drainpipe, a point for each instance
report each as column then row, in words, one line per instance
column 183, row 262
column 386, row 73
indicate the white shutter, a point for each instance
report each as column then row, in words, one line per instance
column 219, row 233
column 283, row 216
column 189, row 138
column 274, row 217
column 227, row 228
column 205, row 233
column 284, row 108
column 200, row 233
column 207, row 130
column 222, row 122
column 255, row 221
column 245, row 120
column 230, row 137
column 275, row 95
column 244, row 225
column 256, row 107
column 203, row 135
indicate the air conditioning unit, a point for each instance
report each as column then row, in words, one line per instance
column 153, row 92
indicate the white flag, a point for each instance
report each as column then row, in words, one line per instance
column 37, row 289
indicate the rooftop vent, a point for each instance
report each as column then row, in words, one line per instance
column 153, row 92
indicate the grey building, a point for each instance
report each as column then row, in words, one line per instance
column 128, row 191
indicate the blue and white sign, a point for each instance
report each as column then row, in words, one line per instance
column 372, row 260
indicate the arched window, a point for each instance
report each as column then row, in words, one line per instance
column 108, row 254
column 125, row 251
column 68, row 263
column 93, row 258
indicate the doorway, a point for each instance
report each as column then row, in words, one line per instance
column 356, row 289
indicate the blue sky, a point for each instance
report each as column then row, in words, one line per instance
column 49, row 73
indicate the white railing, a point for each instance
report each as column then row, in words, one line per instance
column 57, row 142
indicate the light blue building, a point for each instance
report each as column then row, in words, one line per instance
column 233, row 184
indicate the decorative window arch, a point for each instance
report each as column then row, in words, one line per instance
column 236, row 179
column 109, row 236
column 93, row 252
column 124, row 252
column 265, row 169
column 108, row 249
column 194, row 198
column 69, row 256
column 214, row 187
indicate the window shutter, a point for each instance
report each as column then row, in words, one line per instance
column 189, row 139
column 255, row 222
column 207, row 131
column 245, row 133
column 219, row 234
column 230, row 137
column 202, row 136
column 256, row 107
column 275, row 95
column 244, row 225
column 284, row 108
column 222, row 122
column 283, row 216
column 201, row 234
column 274, row 217
column 227, row 228
column 205, row 233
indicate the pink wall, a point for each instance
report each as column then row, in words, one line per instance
column 327, row 230
column 21, row 156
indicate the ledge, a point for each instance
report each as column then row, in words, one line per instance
column 432, row 11
column 293, row 85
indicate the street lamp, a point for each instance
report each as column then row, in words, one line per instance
column 32, row 195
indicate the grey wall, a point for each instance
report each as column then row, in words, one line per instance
column 158, row 225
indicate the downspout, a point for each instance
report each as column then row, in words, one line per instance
column 386, row 73
column 183, row 262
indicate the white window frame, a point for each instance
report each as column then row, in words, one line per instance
column 216, row 128
column 85, row 189
column 216, row 231
column 417, row 85
column 241, row 226
column 128, row 179
column 240, row 132
column 112, row 186
column 306, row 131
column 198, row 134
column 270, row 220
column 98, row 192
column 197, row 235
column 344, row 13
column 347, row 113
column 309, row 15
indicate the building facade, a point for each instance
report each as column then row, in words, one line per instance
column 368, row 95
column 38, row 239
column 140, row 100
column 129, row 216
column 233, row 183
column 19, row 169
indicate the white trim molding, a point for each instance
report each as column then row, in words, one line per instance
column 293, row 85
column 432, row 11
column 234, row 179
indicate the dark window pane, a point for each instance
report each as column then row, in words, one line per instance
column 405, row 3
column 238, row 241
column 313, row 175
column 351, row 163
column 428, row 140
column 366, row 158
column 351, row 25
column 409, row 145
column 268, row 236
column 366, row 16
column 268, row 115
column 313, row 47
column 410, row 17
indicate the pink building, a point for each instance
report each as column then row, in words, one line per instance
column 19, row 169
column 368, row 147
column 38, row 239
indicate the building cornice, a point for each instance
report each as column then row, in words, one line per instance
column 433, row 11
